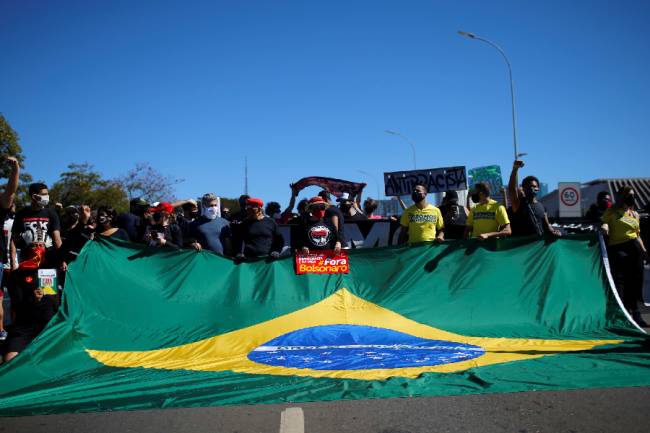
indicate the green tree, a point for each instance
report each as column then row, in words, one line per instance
column 9, row 146
column 81, row 184
column 147, row 183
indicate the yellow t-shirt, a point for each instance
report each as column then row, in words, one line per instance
column 623, row 225
column 487, row 218
column 423, row 224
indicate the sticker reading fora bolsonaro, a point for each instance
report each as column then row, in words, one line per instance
column 358, row 347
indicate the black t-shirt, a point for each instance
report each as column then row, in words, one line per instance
column 529, row 219
column 258, row 238
column 73, row 241
column 454, row 217
column 329, row 213
column 356, row 217
column 594, row 213
column 186, row 228
column 35, row 225
column 132, row 224
column 171, row 233
column 119, row 234
column 316, row 235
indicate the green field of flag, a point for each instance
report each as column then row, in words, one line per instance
column 146, row 328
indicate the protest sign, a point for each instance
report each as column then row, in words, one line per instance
column 322, row 262
column 47, row 281
column 491, row 175
column 435, row 179
column 334, row 186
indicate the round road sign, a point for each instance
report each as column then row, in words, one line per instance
column 569, row 196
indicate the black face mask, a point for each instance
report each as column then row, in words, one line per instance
column 70, row 219
column 345, row 207
column 531, row 192
column 417, row 196
column 475, row 197
column 629, row 200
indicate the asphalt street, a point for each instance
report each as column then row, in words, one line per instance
column 594, row 410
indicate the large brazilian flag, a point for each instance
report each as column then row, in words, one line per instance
column 153, row 328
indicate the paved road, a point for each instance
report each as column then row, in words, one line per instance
column 601, row 410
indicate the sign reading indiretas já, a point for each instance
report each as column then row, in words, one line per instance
column 435, row 179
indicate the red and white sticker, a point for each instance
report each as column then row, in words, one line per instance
column 322, row 262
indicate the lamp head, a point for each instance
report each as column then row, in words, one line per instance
column 467, row 34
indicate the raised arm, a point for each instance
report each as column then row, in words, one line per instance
column 7, row 197
column 512, row 185
column 292, row 201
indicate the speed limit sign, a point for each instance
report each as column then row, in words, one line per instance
column 569, row 197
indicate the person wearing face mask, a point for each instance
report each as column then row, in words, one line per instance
column 421, row 222
column 209, row 231
column 334, row 214
column 454, row 215
column 106, row 217
column 315, row 231
column 596, row 210
column 626, row 250
column 76, row 232
column 258, row 235
column 273, row 210
column 190, row 213
column 37, row 228
column 133, row 221
column 349, row 209
column 161, row 231
column 488, row 219
column 7, row 216
column 370, row 206
column 528, row 214
column 240, row 216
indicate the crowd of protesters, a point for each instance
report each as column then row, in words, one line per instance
column 41, row 236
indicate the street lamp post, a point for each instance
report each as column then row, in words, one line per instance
column 512, row 87
column 388, row 131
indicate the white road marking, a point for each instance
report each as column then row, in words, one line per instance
column 292, row 420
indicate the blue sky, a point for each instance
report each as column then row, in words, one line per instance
column 308, row 88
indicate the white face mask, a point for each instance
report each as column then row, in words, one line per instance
column 44, row 201
column 210, row 212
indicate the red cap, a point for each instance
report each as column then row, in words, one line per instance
column 257, row 202
column 317, row 200
column 162, row 207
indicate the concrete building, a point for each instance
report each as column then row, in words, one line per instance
column 590, row 190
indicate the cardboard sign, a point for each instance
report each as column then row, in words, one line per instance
column 570, row 199
column 47, row 281
column 490, row 174
column 435, row 179
column 322, row 262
